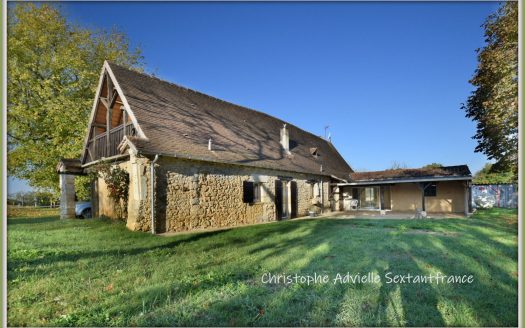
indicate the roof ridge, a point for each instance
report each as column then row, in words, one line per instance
column 219, row 99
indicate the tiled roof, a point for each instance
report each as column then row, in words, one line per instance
column 179, row 122
column 69, row 165
column 444, row 171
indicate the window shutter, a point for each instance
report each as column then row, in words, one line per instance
column 293, row 196
column 247, row 188
column 278, row 199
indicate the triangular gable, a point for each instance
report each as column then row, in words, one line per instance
column 110, row 120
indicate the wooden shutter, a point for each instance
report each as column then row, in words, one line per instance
column 247, row 192
column 293, row 198
column 278, row 199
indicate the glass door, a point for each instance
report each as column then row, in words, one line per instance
column 370, row 198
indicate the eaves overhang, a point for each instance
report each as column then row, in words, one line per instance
column 405, row 180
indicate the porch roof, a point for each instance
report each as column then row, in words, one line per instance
column 444, row 173
column 69, row 166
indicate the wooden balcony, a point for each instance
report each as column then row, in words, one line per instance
column 102, row 146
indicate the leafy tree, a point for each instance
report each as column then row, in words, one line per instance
column 493, row 105
column 117, row 181
column 32, row 198
column 53, row 69
column 83, row 187
column 432, row 166
column 488, row 176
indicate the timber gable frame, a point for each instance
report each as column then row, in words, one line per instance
column 108, row 91
column 173, row 121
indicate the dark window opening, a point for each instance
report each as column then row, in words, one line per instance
column 248, row 192
column 431, row 190
column 314, row 152
column 256, row 192
column 252, row 192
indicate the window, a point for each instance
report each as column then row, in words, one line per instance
column 431, row 190
column 257, row 197
column 247, row 192
column 314, row 151
column 317, row 190
column 252, row 192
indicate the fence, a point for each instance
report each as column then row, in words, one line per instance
column 499, row 195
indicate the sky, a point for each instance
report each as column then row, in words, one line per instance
column 388, row 78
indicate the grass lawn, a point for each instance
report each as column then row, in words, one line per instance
column 97, row 273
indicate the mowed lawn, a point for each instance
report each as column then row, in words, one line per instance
column 97, row 273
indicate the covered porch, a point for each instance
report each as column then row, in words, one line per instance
column 416, row 196
column 368, row 198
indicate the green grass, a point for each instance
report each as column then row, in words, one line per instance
column 97, row 273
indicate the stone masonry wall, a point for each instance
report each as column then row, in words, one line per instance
column 106, row 206
column 139, row 199
column 194, row 195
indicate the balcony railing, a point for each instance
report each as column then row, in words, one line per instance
column 98, row 146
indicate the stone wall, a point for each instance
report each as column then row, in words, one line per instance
column 138, row 215
column 201, row 195
column 105, row 205
column 139, row 199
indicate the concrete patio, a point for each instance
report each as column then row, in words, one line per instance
column 389, row 215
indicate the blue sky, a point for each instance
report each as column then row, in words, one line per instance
column 387, row 77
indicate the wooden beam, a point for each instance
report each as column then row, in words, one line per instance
column 113, row 98
column 109, row 84
column 422, row 186
column 109, row 115
column 124, row 118
column 423, row 199
column 381, row 198
column 104, row 102
column 466, row 197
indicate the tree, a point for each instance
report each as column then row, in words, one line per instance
column 488, row 176
column 493, row 105
column 53, row 69
column 395, row 165
column 433, row 166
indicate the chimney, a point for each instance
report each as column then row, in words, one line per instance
column 209, row 144
column 285, row 138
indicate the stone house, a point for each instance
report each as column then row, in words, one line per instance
column 198, row 162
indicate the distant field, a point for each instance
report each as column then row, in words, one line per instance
column 97, row 273
column 30, row 211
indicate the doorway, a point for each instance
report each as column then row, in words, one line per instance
column 286, row 200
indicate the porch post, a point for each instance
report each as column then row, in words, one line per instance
column 422, row 187
column 381, row 198
column 67, row 196
column 67, row 169
column 466, row 196
column 109, row 117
